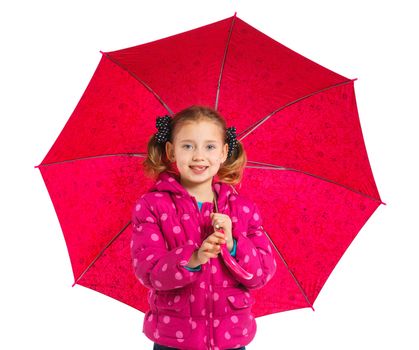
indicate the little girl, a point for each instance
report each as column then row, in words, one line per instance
column 197, row 300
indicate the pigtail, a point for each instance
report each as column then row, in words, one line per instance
column 156, row 161
column 231, row 171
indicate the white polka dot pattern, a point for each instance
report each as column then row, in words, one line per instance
column 166, row 229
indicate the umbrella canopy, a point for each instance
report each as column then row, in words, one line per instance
column 308, row 169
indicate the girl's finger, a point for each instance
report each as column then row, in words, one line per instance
column 212, row 239
column 216, row 240
column 212, row 246
column 210, row 254
column 208, row 246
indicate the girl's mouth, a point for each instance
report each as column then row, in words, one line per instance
column 198, row 169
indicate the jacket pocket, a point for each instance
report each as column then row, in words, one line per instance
column 173, row 302
column 173, row 314
column 241, row 301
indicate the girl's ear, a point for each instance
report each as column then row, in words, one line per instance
column 225, row 152
column 169, row 151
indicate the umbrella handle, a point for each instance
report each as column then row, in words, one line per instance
column 232, row 264
column 229, row 261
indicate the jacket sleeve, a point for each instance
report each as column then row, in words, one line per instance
column 154, row 265
column 254, row 252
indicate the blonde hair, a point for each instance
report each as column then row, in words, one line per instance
column 230, row 172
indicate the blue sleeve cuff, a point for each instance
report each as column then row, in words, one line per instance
column 198, row 268
column 233, row 251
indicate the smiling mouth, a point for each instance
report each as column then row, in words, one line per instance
column 198, row 169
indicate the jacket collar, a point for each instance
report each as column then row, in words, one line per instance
column 170, row 182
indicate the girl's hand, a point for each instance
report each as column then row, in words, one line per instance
column 210, row 248
column 223, row 222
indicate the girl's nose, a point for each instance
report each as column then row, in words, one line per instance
column 197, row 154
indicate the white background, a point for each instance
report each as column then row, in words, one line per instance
column 49, row 51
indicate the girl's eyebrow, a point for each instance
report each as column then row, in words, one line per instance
column 194, row 141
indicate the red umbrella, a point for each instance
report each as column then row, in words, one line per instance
column 308, row 169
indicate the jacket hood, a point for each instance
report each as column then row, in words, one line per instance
column 170, row 182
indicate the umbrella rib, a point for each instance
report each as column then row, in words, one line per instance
column 100, row 253
column 278, row 167
column 297, row 282
column 223, row 62
column 93, row 157
column 254, row 126
column 135, row 76
column 290, row 271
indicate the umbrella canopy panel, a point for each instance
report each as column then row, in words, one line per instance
column 307, row 170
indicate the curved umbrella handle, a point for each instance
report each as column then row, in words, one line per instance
column 232, row 264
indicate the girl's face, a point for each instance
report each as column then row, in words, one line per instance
column 197, row 144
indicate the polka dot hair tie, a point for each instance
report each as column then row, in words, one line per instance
column 231, row 140
column 163, row 127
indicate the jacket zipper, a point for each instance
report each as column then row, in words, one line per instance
column 211, row 323
column 210, row 296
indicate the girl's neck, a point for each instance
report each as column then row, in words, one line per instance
column 202, row 196
column 202, row 193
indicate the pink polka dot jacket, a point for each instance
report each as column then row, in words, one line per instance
column 208, row 307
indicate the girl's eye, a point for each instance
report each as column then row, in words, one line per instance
column 210, row 146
